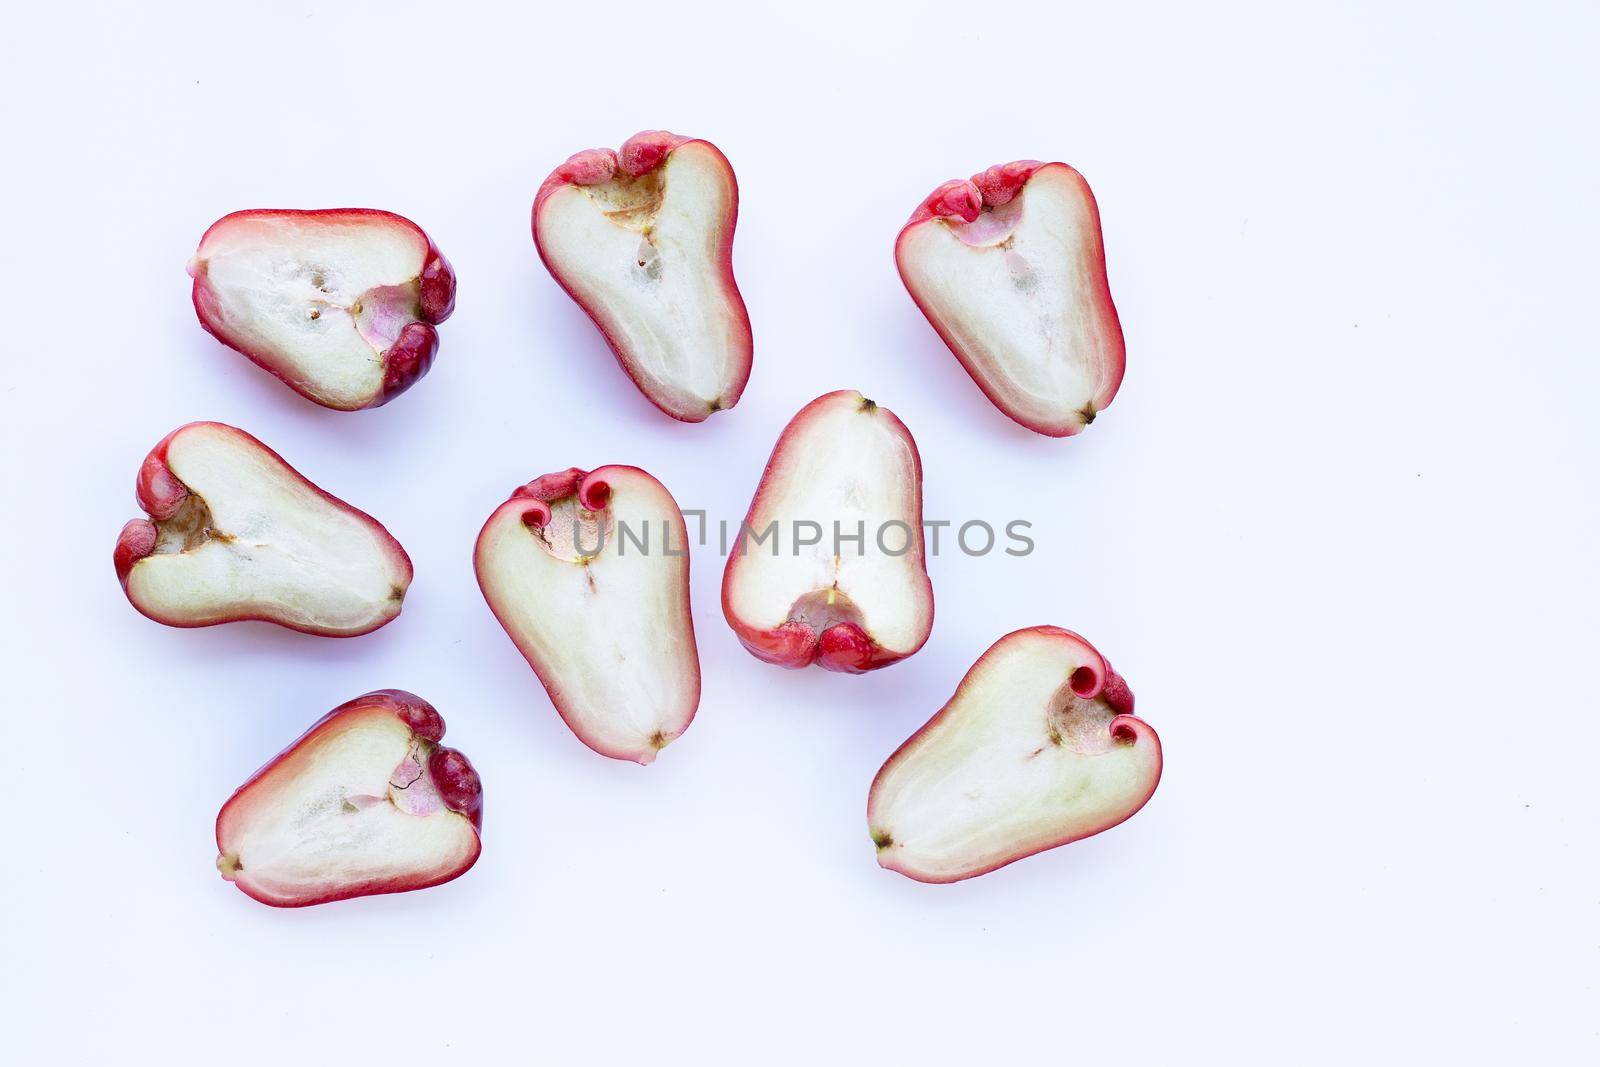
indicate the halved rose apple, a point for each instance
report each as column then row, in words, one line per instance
column 829, row 567
column 1037, row 748
column 642, row 239
column 340, row 304
column 366, row 801
column 1010, row 269
column 588, row 571
column 236, row 533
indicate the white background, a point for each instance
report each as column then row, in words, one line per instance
column 1337, row 531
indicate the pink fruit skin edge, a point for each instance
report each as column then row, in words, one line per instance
column 996, row 187
column 423, row 719
column 640, row 154
column 411, row 354
column 1110, row 685
column 793, row 645
column 532, row 500
column 159, row 493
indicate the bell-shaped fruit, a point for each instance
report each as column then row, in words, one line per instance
column 236, row 533
column 1010, row 269
column 828, row 567
column 642, row 239
column 341, row 304
column 1038, row 747
column 588, row 571
column 366, row 801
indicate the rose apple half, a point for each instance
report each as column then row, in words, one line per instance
column 588, row 571
column 236, row 533
column 1039, row 747
column 642, row 239
column 829, row 566
column 366, row 801
column 1010, row 269
column 340, row 304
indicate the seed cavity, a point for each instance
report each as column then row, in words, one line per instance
column 1079, row 723
column 188, row 528
column 630, row 202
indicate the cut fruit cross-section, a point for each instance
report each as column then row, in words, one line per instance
column 589, row 574
column 236, row 533
column 829, row 565
column 366, row 801
column 340, row 304
column 1038, row 747
column 1010, row 269
column 642, row 239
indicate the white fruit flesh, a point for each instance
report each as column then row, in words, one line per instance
column 319, row 298
column 644, row 256
column 1016, row 763
column 848, row 462
column 604, row 623
column 350, row 810
column 1021, row 293
column 255, row 539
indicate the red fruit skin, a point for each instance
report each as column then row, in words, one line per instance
column 843, row 647
column 458, row 784
column 641, row 153
column 846, row 648
column 412, row 353
column 593, row 492
column 438, row 285
column 157, row 489
column 996, row 187
column 464, row 795
column 423, row 718
column 160, row 494
column 548, row 487
column 136, row 541
column 1104, row 683
column 407, row 359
